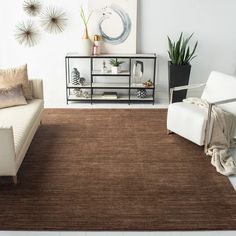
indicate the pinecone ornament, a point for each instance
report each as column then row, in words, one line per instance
column 75, row 77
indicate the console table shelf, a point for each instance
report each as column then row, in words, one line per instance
column 97, row 82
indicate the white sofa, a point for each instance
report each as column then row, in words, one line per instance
column 17, row 128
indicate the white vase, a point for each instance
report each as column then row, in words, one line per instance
column 86, row 44
column 115, row 69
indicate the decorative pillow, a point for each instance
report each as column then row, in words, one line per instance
column 12, row 96
column 14, row 76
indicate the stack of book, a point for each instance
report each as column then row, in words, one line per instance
column 110, row 95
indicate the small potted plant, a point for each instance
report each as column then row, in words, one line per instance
column 115, row 65
column 179, row 65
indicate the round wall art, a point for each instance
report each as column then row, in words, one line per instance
column 109, row 14
column 116, row 22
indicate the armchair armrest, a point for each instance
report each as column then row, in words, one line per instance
column 179, row 88
column 211, row 104
column 223, row 101
column 7, row 152
column 191, row 86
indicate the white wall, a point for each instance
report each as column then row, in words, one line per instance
column 213, row 22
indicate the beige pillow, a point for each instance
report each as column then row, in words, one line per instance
column 14, row 76
column 12, row 96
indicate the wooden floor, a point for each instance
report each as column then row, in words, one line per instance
column 115, row 170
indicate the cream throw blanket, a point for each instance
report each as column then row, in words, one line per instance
column 221, row 139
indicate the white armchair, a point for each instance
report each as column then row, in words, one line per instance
column 192, row 122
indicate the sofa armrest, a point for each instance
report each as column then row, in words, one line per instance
column 37, row 87
column 7, row 152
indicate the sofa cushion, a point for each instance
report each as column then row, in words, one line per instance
column 12, row 96
column 21, row 118
column 14, row 76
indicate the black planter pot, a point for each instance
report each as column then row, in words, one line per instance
column 179, row 76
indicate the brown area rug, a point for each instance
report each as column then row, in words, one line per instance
column 115, row 170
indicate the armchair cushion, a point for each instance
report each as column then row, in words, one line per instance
column 219, row 87
column 187, row 120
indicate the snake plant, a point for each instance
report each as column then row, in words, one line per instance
column 179, row 52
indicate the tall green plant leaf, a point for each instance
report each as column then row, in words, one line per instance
column 171, row 49
column 174, row 54
column 179, row 52
column 185, row 61
column 178, row 46
column 191, row 55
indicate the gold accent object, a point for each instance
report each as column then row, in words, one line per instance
column 86, row 35
column 97, row 37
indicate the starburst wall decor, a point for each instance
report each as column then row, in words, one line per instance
column 32, row 7
column 51, row 19
column 27, row 33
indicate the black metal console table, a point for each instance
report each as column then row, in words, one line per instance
column 125, row 88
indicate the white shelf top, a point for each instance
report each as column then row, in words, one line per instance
column 111, row 85
column 136, row 85
column 87, row 85
column 120, row 97
column 99, row 72
column 74, row 97
column 101, row 97
column 148, row 98
column 76, row 54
